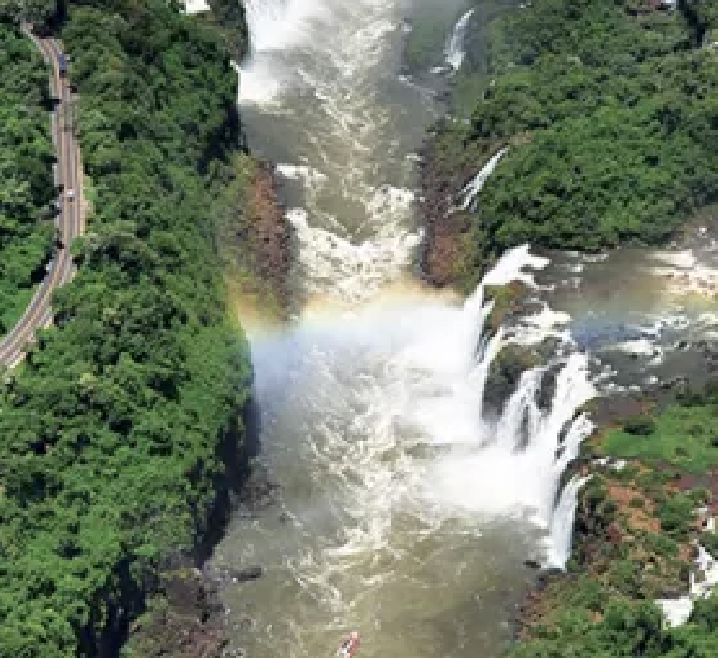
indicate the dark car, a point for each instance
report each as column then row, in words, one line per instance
column 62, row 64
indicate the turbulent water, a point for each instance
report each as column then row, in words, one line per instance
column 406, row 508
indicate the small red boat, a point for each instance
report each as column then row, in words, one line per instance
column 350, row 646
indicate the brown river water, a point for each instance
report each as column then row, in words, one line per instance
column 405, row 510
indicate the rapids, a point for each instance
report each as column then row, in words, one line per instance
column 406, row 508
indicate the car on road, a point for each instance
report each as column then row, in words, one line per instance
column 70, row 194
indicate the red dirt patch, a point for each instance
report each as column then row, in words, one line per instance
column 639, row 518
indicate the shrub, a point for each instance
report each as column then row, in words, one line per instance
column 640, row 425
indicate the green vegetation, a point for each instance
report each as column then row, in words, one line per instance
column 625, row 555
column 683, row 435
column 38, row 11
column 634, row 540
column 612, row 115
column 121, row 436
column 229, row 17
column 625, row 630
column 26, row 185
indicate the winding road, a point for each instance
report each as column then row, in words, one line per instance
column 69, row 222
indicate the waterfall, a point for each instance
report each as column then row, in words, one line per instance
column 559, row 549
column 454, row 49
column 471, row 190
column 277, row 24
column 512, row 465
column 396, row 480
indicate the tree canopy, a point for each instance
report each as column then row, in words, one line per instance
column 611, row 113
column 120, row 433
column 26, row 184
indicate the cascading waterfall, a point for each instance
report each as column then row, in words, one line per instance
column 407, row 507
column 471, row 191
column 393, row 472
column 562, row 522
column 517, row 462
column 455, row 45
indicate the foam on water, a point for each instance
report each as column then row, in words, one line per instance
column 331, row 54
column 417, row 439
column 398, row 483
column 373, row 419
column 685, row 273
column 332, row 264
column 195, row 6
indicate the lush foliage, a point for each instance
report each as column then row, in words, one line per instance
column 612, row 112
column 634, row 540
column 37, row 11
column 26, row 185
column 632, row 544
column 683, row 434
column 229, row 17
column 625, row 630
column 118, row 435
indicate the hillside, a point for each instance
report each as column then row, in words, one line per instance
column 121, row 436
column 26, row 185
column 609, row 113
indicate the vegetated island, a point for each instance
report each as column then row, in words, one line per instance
column 123, row 435
column 609, row 113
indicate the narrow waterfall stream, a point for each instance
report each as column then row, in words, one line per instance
column 406, row 510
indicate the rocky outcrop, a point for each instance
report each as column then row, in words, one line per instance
column 185, row 619
column 447, row 164
column 256, row 243
column 268, row 233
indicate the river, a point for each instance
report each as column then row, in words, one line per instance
column 406, row 510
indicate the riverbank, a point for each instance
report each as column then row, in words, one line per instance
column 186, row 618
column 125, row 434
column 606, row 142
column 608, row 138
column 643, row 519
column 256, row 244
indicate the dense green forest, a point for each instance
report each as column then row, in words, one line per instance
column 120, row 435
column 611, row 109
column 634, row 541
column 26, row 185
column 610, row 113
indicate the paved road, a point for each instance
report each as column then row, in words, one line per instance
column 69, row 223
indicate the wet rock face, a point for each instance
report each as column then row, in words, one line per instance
column 184, row 619
column 269, row 233
column 256, row 241
column 448, row 255
column 258, row 492
column 505, row 373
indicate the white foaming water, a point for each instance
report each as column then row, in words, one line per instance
column 352, row 272
column 195, row 6
column 562, row 522
column 473, row 187
column 396, row 423
column 319, row 67
column 409, row 503
column 455, row 45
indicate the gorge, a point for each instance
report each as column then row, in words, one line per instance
column 406, row 508
column 391, row 315
column 408, row 503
